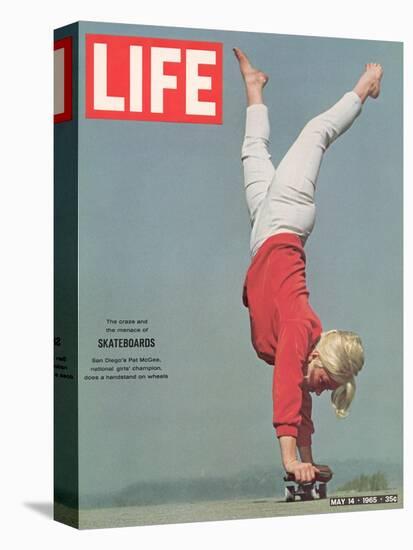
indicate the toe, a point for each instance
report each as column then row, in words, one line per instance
column 240, row 54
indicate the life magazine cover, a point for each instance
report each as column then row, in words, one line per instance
column 228, row 275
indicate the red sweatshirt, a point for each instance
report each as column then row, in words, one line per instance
column 284, row 328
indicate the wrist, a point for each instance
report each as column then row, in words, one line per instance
column 290, row 462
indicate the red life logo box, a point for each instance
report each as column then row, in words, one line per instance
column 154, row 79
column 63, row 79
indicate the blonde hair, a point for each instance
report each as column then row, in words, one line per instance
column 341, row 354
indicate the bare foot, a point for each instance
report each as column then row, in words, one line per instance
column 254, row 79
column 369, row 82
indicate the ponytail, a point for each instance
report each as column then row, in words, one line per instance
column 341, row 354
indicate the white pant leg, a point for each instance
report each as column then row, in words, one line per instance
column 289, row 205
column 258, row 168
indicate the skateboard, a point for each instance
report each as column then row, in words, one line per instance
column 309, row 490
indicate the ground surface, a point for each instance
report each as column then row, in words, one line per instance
column 216, row 510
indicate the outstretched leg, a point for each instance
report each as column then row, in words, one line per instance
column 256, row 158
column 289, row 203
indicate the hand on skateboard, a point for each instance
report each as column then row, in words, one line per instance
column 306, row 472
column 302, row 472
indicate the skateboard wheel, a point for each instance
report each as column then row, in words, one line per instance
column 289, row 493
column 322, row 490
